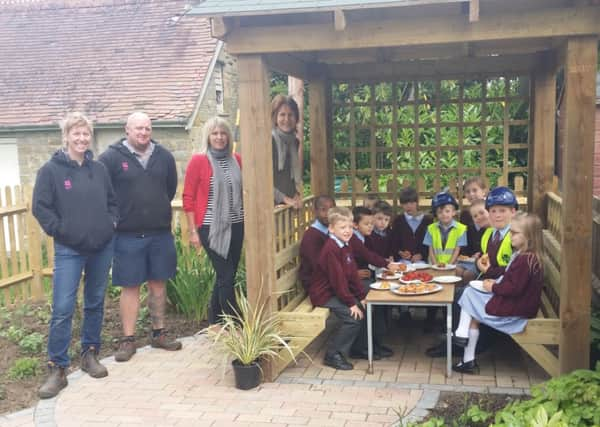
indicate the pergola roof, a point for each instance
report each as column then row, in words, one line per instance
column 269, row 7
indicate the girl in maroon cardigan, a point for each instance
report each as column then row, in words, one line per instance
column 507, row 302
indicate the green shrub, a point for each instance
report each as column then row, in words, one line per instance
column 25, row 367
column 32, row 343
column 13, row 334
column 189, row 291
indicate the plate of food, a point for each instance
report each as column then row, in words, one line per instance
column 478, row 285
column 416, row 277
column 420, row 265
column 388, row 275
column 464, row 258
column 417, row 289
column 384, row 285
column 403, row 267
column 447, row 279
column 441, row 266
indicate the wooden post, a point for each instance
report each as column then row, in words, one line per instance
column 320, row 151
column 576, row 244
column 257, row 174
column 296, row 90
column 541, row 153
column 34, row 247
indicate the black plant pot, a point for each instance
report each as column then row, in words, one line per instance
column 246, row 376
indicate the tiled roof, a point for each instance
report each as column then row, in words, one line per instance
column 258, row 7
column 103, row 57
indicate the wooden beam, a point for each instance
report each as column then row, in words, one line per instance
column 219, row 28
column 321, row 179
column 257, row 174
column 473, row 10
column 541, row 152
column 577, row 171
column 339, row 20
column 430, row 68
column 552, row 22
column 287, row 64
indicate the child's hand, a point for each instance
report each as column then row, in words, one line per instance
column 416, row 257
column 356, row 312
column 488, row 284
column 365, row 273
column 405, row 254
column 483, row 263
column 393, row 267
column 364, row 303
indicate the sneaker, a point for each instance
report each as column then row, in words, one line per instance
column 162, row 341
column 90, row 364
column 56, row 381
column 126, row 349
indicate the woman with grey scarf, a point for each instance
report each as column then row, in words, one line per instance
column 287, row 170
column 212, row 201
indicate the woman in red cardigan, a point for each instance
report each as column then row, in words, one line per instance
column 212, row 201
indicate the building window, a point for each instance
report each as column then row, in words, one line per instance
column 9, row 163
column 219, row 92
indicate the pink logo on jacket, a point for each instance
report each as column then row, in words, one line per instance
column 68, row 185
column 125, row 166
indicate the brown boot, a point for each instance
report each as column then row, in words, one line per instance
column 162, row 341
column 90, row 364
column 56, row 381
column 126, row 349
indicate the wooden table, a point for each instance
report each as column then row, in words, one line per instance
column 443, row 298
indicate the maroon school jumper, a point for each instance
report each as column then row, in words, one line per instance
column 520, row 291
column 402, row 237
column 494, row 271
column 336, row 275
column 378, row 243
column 310, row 248
column 365, row 256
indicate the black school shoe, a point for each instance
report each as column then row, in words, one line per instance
column 338, row 361
column 470, row 367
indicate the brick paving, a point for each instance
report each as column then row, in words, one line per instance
column 195, row 387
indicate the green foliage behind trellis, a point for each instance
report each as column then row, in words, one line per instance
column 431, row 134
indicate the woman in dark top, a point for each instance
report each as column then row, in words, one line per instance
column 287, row 170
column 212, row 201
column 74, row 202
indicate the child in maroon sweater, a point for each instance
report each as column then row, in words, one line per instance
column 408, row 230
column 507, row 302
column 313, row 239
column 335, row 284
column 379, row 240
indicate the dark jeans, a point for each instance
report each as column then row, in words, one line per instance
column 68, row 266
column 222, row 300
column 350, row 331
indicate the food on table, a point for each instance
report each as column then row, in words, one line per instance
column 417, row 275
column 402, row 267
column 384, row 285
column 441, row 265
column 416, row 288
column 388, row 274
column 464, row 258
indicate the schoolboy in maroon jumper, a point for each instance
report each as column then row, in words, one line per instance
column 408, row 229
column 314, row 238
column 481, row 221
column 363, row 229
column 335, row 284
column 379, row 240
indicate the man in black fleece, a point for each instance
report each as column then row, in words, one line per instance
column 144, row 177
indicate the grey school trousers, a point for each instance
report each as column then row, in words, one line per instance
column 350, row 329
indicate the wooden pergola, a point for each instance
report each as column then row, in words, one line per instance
column 327, row 41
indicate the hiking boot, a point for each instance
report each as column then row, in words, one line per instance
column 90, row 364
column 126, row 349
column 162, row 341
column 56, row 381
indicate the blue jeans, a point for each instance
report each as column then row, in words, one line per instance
column 68, row 266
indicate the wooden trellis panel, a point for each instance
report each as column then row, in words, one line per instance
column 430, row 134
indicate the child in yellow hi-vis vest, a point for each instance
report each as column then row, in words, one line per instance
column 446, row 236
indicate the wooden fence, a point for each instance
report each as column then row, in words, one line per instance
column 596, row 238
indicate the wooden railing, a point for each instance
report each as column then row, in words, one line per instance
column 553, row 216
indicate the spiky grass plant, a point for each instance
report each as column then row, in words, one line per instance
column 250, row 334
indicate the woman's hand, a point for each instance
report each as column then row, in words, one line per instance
column 295, row 202
column 195, row 239
column 356, row 312
column 488, row 284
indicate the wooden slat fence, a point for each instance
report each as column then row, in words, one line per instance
column 596, row 238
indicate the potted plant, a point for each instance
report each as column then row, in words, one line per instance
column 249, row 336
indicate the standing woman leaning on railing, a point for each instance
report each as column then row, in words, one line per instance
column 212, row 201
column 74, row 202
column 287, row 170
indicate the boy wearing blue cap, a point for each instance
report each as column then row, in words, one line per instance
column 446, row 236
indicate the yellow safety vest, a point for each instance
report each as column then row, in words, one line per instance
column 444, row 255
column 505, row 250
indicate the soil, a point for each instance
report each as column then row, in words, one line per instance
column 19, row 394
column 451, row 405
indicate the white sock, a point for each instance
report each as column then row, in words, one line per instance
column 463, row 325
column 470, row 348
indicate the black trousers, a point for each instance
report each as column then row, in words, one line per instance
column 343, row 339
column 222, row 300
